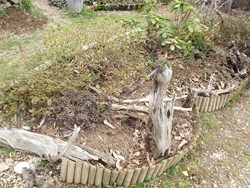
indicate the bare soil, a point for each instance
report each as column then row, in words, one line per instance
column 225, row 160
column 18, row 21
column 128, row 138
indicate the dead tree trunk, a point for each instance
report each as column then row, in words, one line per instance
column 161, row 115
column 228, row 6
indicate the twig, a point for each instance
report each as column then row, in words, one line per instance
column 210, row 81
column 70, row 142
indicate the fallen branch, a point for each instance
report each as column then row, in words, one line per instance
column 207, row 93
column 131, row 107
column 143, row 109
column 65, row 149
column 48, row 147
column 146, row 99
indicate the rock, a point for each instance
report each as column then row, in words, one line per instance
column 3, row 167
column 19, row 167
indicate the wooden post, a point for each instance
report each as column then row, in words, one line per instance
column 161, row 115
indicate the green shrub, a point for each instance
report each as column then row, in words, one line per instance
column 26, row 4
column 184, row 33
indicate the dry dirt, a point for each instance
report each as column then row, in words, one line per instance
column 19, row 21
column 224, row 161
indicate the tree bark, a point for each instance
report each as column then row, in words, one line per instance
column 161, row 115
column 48, row 147
column 228, row 6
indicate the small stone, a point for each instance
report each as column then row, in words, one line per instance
column 181, row 66
column 9, row 162
column 3, row 167
column 185, row 173
column 19, row 167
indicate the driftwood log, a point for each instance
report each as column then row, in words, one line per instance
column 161, row 115
column 49, row 148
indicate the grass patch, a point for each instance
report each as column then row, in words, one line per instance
column 44, row 164
column 11, row 42
column 7, row 152
column 246, row 158
column 210, row 121
column 2, row 13
column 106, row 64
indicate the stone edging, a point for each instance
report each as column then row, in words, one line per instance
column 213, row 103
column 88, row 174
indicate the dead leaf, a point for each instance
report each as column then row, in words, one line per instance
column 108, row 124
column 118, row 164
column 183, row 142
column 117, row 156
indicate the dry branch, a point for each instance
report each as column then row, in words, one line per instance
column 146, row 99
column 143, row 109
column 48, row 147
column 207, row 93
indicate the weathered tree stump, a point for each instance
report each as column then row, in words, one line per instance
column 160, row 122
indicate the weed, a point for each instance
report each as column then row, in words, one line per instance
column 173, row 171
column 230, row 164
column 193, row 159
column 8, row 152
column 210, row 121
column 169, row 184
column 44, row 164
column 184, row 184
column 26, row 4
column 246, row 158
column 2, row 13
column 235, row 99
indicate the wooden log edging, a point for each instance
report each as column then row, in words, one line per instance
column 88, row 174
column 214, row 103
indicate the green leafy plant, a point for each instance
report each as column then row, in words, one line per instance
column 26, row 4
column 184, row 33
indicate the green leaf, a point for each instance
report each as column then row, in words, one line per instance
column 164, row 35
column 190, row 28
column 178, row 46
column 172, row 47
column 153, row 22
column 167, row 41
